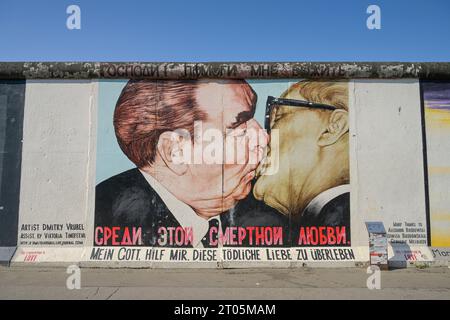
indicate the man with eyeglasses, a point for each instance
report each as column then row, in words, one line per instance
column 311, row 181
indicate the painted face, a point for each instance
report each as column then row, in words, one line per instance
column 231, row 129
column 298, row 153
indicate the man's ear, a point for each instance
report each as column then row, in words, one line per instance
column 336, row 128
column 170, row 149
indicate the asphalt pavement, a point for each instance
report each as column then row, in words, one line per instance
column 230, row 284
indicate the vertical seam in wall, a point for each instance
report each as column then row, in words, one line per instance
column 88, row 163
column 220, row 260
column 425, row 164
column 27, row 113
column 354, row 152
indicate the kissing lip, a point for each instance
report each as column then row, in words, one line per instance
column 264, row 163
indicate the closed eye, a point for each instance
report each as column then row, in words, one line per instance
column 239, row 131
column 278, row 116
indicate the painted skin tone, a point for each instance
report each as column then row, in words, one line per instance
column 313, row 156
column 211, row 189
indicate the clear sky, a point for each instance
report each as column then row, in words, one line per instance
column 225, row 30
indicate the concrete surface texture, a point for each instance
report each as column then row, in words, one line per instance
column 189, row 70
column 234, row 284
column 66, row 206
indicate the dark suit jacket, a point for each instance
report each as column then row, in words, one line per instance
column 335, row 213
column 252, row 212
column 127, row 200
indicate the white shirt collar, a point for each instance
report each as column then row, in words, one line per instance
column 319, row 201
column 184, row 214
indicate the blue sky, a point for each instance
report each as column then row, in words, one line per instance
column 226, row 30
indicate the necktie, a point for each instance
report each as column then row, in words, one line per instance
column 206, row 241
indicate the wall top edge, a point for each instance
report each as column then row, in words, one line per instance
column 224, row 70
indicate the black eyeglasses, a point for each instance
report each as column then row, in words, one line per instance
column 272, row 101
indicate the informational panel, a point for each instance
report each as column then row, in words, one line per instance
column 378, row 247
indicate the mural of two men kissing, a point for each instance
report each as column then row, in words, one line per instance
column 226, row 163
